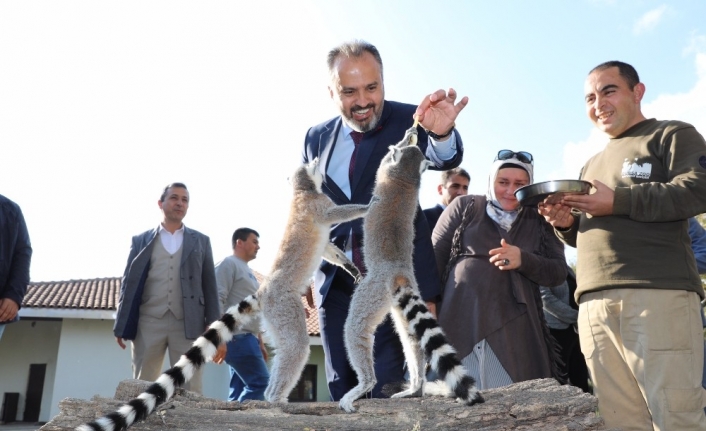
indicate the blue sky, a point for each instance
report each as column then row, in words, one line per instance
column 103, row 103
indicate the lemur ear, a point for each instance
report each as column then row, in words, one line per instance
column 313, row 166
column 424, row 165
column 395, row 153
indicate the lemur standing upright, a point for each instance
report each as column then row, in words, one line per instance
column 305, row 243
column 390, row 285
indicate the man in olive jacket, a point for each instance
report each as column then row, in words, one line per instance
column 638, row 288
column 168, row 294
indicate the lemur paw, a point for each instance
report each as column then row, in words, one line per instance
column 346, row 404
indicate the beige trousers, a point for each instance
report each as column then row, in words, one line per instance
column 644, row 349
column 154, row 337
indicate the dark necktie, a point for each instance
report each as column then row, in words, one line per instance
column 355, row 240
column 357, row 137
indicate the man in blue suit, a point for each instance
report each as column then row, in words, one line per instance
column 168, row 294
column 350, row 148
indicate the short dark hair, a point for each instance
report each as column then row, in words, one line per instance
column 628, row 72
column 169, row 186
column 446, row 175
column 354, row 48
column 243, row 233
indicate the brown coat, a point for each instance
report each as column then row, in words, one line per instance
column 503, row 307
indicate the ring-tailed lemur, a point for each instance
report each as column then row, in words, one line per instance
column 390, row 285
column 305, row 243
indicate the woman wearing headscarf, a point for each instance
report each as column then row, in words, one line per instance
column 494, row 254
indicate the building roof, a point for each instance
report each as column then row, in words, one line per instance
column 92, row 294
column 97, row 298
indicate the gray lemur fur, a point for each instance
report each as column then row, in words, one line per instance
column 390, row 285
column 305, row 243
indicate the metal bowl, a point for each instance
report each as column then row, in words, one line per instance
column 533, row 194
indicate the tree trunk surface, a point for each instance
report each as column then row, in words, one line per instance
column 533, row 405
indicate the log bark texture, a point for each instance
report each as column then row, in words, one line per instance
column 532, row 405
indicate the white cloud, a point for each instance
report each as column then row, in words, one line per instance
column 696, row 45
column 701, row 66
column 689, row 106
column 649, row 20
column 576, row 154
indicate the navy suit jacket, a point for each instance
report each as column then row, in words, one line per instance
column 15, row 253
column 432, row 214
column 320, row 141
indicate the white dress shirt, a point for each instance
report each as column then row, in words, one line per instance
column 171, row 241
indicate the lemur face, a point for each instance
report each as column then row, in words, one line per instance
column 404, row 163
column 410, row 138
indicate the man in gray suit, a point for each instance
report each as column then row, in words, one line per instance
column 168, row 294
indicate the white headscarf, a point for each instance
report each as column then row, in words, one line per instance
column 496, row 212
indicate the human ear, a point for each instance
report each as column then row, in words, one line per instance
column 639, row 91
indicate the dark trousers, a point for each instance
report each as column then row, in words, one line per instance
column 389, row 358
column 574, row 362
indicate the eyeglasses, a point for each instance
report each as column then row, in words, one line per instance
column 522, row 156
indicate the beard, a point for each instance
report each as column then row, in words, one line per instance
column 369, row 124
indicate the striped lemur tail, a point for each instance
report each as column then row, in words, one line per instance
column 202, row 350
column 441, row 355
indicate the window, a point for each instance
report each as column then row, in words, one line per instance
column 305, row 390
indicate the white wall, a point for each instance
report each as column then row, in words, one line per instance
column 216, row 379
column 317, row 357
column 23, row 343
column 84, row 360
column 91, row 363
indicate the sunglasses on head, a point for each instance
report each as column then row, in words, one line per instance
column 522, row 156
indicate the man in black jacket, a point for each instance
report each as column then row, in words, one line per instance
column 15, row 256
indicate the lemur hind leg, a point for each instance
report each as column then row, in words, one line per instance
column 292, row 349
column 368, row 308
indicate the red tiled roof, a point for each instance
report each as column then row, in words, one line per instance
column 102, row 294
column 92, row 294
